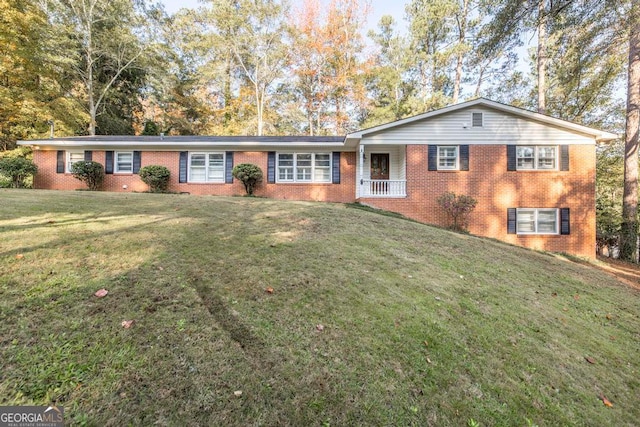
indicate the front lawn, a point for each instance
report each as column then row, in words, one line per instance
column 260, row 312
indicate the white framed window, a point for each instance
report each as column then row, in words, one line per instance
column 74, row 157
column 448, row 157
column 477, row 120
column 536, row 157
column 537, row 221
column 206, row 167
column 123, row 162
column 304, row 167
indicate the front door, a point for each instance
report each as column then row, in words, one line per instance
column 380, row 166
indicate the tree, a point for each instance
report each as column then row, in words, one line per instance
column 31, row 87
column 248, row 37
column 629, row 231
column 310, row 52
column 609, row 188
column 327, row 66
column 387, row 89
column 430, row 36
column 106, row 42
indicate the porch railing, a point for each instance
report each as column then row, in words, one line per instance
column 383, row 188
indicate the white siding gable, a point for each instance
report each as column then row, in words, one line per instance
column 499, row 127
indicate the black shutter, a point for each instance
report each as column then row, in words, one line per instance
column 108, row 160
column 512, row 218
column 182, row 175
column 228, row 167
column 60, row 161
column 511, row 157
column 565, row 227
column 88, row 155
column 433, row 158
column 137, row 161
column 271, row 167
column 335, row 165
column 464, row 157
column 564, row 157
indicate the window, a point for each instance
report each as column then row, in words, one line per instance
column 537, row 221
column 304, row 167
column 206, row 167
column 124, row 162
column 536, row 157
column 73, row 157
column 447, row 157
column 477, row 120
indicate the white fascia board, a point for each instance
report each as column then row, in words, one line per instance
column 155, row 146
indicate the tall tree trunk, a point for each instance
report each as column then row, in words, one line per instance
column 462, row 33
column 629, row 234
column 542, row 57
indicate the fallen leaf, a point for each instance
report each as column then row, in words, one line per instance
column 590, row 360
column 160, row 268
column 576, row 297
column 237, row 393
column 127, row 323
column 19, row 256
column 269, row 290
column 319, row 327
column 555, row 294
column 609, row 316
column 101, row 293
column 605, row 400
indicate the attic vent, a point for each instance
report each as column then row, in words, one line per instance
column 476, row 120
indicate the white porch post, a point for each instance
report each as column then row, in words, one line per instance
column 361, row 163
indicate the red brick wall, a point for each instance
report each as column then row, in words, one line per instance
column 47, row 178
column 487, row 180
column 496, row 190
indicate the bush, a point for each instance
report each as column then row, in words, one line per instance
column 91, row 173
column 249, row 174
column 17, row 170
column 156, row 177
column 458, row 209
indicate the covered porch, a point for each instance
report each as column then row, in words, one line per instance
column 381, row 171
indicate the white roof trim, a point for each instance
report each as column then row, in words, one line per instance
column 597, row 134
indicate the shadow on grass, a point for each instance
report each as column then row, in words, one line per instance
column 229, row 321
column 70, row 239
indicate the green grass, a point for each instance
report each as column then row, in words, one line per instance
column 421, row 326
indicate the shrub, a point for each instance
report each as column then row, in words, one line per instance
column 91, row 173
column 458, row 209
column 17, row 170
column 156, row 177
column 249, row 174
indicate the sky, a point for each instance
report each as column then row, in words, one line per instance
column 379, row 8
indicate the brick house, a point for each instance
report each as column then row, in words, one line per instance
column 533, row 175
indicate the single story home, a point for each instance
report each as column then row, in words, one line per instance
column 532, row 175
